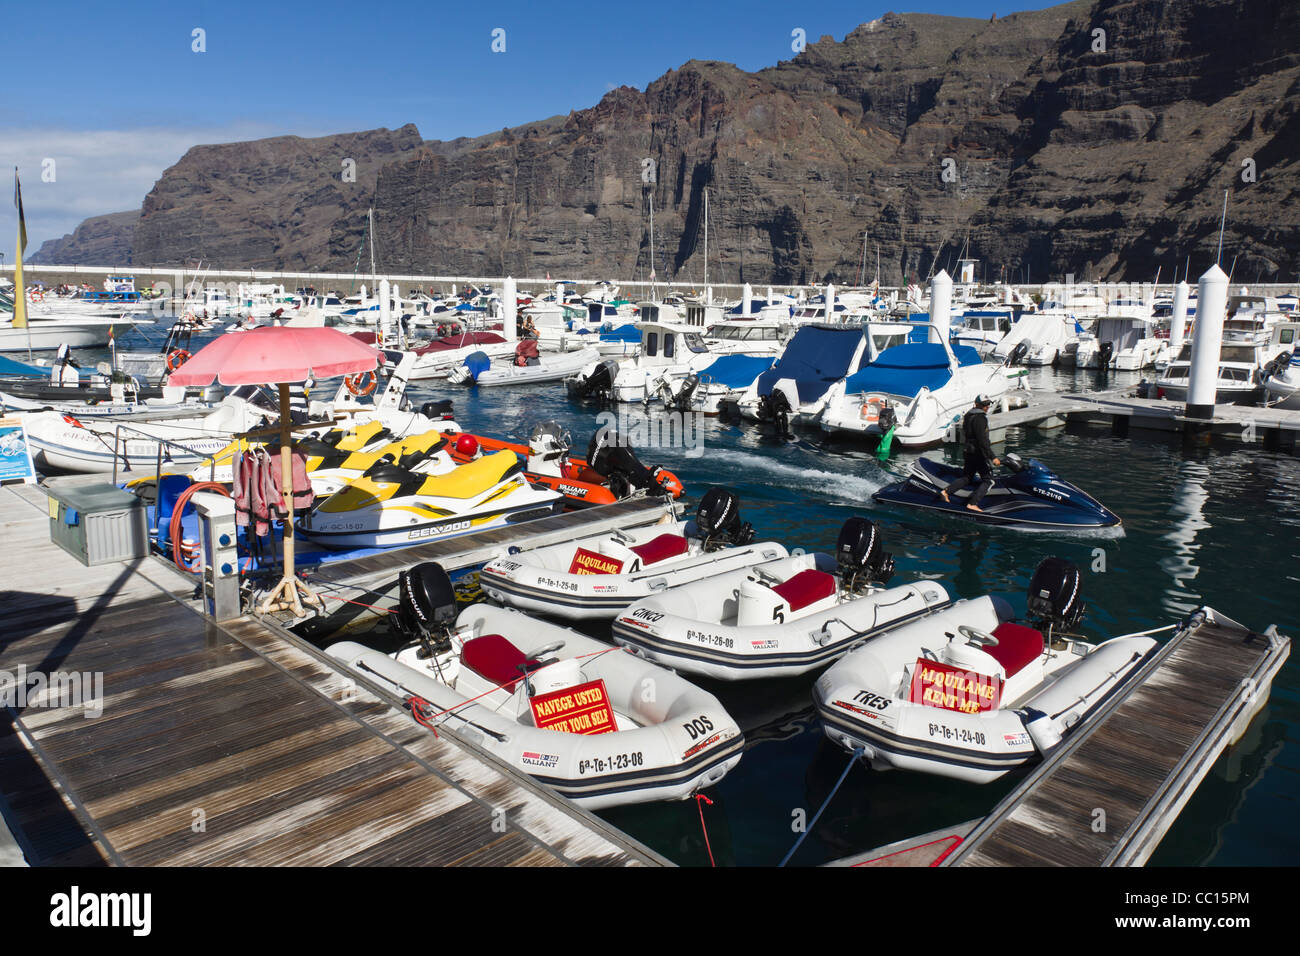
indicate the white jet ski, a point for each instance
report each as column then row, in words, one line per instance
column 970, row 694
column 597, row 576
column 496, row 673
column 779, row 619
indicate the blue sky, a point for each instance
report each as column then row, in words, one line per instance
column 115, row 93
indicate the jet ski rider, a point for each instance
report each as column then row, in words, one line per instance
column 977, row 453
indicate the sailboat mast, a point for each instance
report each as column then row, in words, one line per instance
column 706, row 239
column 370, row 218
column 652, row 246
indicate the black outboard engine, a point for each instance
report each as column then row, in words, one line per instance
column 860, row 553
column 620, row 466
column 1018, row 353
column 888, row 418
column 775, row 409
column 681, row 400
column 1056, row 595
column 718, row 520
column 426, row 610
column 1105, row 352
column 600, row 383
column 438, row 411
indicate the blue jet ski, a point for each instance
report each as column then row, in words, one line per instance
column 1032, row 496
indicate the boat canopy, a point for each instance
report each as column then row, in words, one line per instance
column 9, row 368
column 906, row 369
column 815, row 359
column 450, row 342
column 736, row 371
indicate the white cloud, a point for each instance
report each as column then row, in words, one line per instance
column 96, row 171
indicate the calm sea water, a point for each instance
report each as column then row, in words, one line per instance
column 1217, row 526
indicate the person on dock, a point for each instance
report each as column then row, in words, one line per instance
column 977, row 454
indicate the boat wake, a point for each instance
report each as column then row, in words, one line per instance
column 831, row 486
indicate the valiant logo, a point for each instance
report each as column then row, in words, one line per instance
column 77, row 909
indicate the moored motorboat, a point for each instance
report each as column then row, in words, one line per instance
column 969, row 693
column 597, row 576
column 598, row 725
column 781, row 618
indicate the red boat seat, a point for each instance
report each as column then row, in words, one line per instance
column 660, row 549
column 494, row 658
column 1017, row 646
column 806, row 587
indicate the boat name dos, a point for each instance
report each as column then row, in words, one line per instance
column 433, row 530
column 698, row 727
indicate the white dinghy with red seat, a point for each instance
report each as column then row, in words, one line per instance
column 778, row 619
column 595, row 723
column 596, row 577
column 969, row 693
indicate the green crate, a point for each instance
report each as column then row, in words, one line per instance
column 98, row 523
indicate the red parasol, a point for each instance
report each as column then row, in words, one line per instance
column 279, row 355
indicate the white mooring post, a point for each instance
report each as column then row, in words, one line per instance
column 1178, row 325
column 745, row 296
column 830, row 302
column 940, row 305
column 385, row 315
column 509, row 309
column 1207, row 337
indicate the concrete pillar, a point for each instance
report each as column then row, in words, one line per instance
column 1207, row 338
column 1178, row 324
column 769, row 295
column 509, row 309
column 940, row 306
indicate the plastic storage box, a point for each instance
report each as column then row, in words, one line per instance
column 98, row 523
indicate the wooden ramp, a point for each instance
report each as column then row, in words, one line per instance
column 1109, row 794
column 225, row 745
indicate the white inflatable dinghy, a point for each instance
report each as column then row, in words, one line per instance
column 598, row 576
column 629, row 731
column 970, row 694
column 779, row 619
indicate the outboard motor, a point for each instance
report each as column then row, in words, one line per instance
column 600, row 383
column 1056, row 595
column 620, row 466
column 860, row 553
column 775, row 408
column 718, row 520
column 1105, row 352
column 888, row 418
column 438, row 411
column 1018, row 353
column 426, row 610
column 681, row 399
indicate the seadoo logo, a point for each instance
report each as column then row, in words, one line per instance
column 77, row 909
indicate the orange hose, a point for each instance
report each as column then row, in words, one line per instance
column 175, row 526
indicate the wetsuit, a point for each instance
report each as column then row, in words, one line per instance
column 976, row 455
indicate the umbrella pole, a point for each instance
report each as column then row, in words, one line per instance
column 286, row 593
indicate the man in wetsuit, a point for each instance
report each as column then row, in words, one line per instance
column 977, row 455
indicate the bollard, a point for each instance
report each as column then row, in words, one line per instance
column 940, row 306
column 1207, row 337
column 1178, row 325
column 509, row 309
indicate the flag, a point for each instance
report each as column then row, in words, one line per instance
column 20, row 294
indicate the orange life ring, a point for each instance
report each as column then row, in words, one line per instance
column 176, row 358
column 363, row 383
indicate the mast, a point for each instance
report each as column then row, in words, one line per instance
column 652, row 246
column 706, row 239
column 370, row 218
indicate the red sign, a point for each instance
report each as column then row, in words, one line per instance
column 951, row 688
column 589, row 562
column 583, row 709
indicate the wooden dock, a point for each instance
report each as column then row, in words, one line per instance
column 1108, row 795
column 228, row 745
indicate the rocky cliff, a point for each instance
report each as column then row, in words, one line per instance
column 1090, row 137
column 100, row 240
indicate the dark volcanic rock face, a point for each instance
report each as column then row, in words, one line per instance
column 272, row 203
column 1092, row 137
column 100, row 240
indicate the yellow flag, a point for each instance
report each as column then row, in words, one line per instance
column 20, row 294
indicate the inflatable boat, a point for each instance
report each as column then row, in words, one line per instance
column 778, row 619
column 597, row 576
column 596, row 724
column 968, row 693
column 1032, row 496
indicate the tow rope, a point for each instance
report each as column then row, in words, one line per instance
column 700, row 801
column 857, row 752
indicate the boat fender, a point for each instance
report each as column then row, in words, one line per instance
column 1042, row 730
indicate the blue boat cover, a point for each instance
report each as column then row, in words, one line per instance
column 906, row 369
column 477, row 363
column 815, row 358
column 8, row 367
column 736, row 371
column 624, row 333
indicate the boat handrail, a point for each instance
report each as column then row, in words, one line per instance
column 119, row 450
